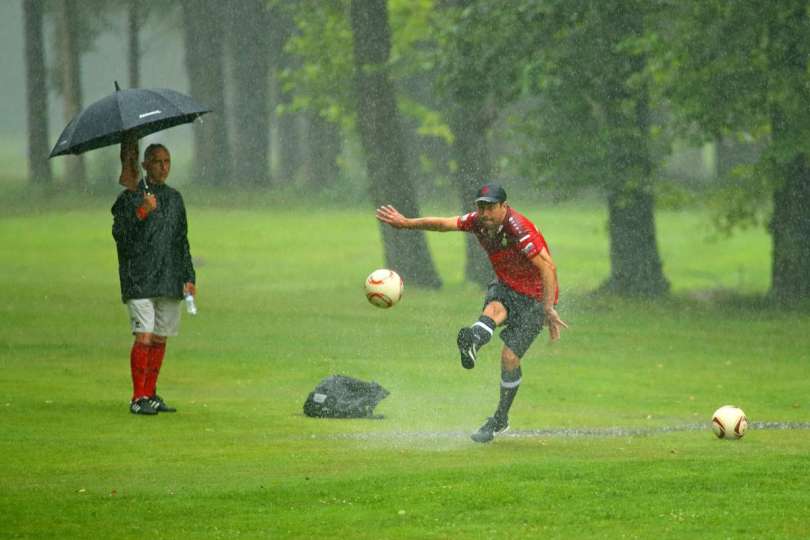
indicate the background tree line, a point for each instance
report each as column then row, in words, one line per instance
column 566, row 96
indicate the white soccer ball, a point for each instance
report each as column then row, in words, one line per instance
column 384, row 288
column 729, row 422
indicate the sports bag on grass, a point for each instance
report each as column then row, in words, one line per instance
column 340, row 396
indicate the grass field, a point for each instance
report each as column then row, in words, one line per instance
column 281, row 307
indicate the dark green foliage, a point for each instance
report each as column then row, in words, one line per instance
column 381, row 134
column 586, row 119
column 740, row 70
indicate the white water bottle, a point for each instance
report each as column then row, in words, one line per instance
column 191, row 307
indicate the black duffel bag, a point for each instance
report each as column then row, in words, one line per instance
column 340, row 396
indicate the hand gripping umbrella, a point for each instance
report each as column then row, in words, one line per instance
column 142, row 111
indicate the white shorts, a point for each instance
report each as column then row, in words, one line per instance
column 159, row 316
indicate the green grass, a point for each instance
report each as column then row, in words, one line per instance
column 281, row 307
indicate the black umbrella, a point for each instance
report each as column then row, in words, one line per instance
column 140, row 110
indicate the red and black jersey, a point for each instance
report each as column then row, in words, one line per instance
column 510, row 249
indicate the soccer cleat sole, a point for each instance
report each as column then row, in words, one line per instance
column 466, row 346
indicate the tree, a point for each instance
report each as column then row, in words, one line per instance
column 470, row 124
column 204, row 45
column 585, row 118
column 134, row 20
column 288, row 118
column 416, row 58
column 323, row 147
column 475, row 80
column 296, row 57
column 250, row 51
column 740, row 70
column 69, row 31
column 39, row 168
column 380, row 133
column 591, row 124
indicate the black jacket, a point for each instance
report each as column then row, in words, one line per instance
column 153, row 255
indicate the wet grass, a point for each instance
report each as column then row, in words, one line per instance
column 281, row 307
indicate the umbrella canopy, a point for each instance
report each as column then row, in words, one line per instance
column 140, row 110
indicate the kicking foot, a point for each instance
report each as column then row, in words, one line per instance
column 468, row 347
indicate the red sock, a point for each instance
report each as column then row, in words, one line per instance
column 138, row 362
column 156, row 352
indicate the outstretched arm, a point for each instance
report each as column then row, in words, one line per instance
column 390, row 215
column 548, row 273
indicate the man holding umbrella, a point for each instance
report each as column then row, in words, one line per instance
column 149, row 221
column 154, row 265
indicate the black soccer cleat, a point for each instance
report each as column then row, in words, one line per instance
column 142, row 406
column 159, row 405
column 468, row 347
column 493, row 426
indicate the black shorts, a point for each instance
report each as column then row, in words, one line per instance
column 524, row 319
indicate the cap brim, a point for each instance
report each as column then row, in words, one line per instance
column 487, row 199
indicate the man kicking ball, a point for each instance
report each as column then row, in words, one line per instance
column 521, row 299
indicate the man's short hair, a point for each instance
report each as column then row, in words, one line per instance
column 151, row 148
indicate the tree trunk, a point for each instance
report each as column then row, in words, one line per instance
column 39, row 168
column 288, row 123
column 635, row 266
column 70, row 60
column 289, row 140
column 380, row 133
column 324, row 145
column 204, row 37
column 470, row 124
column 290, row 137
column 134, row 43
column 790, row 224
column 250, row 51
column 790, row 229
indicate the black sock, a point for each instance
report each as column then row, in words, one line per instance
column 483, row 330
column 510, row 382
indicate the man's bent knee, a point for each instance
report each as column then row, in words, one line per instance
column 495, row 311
